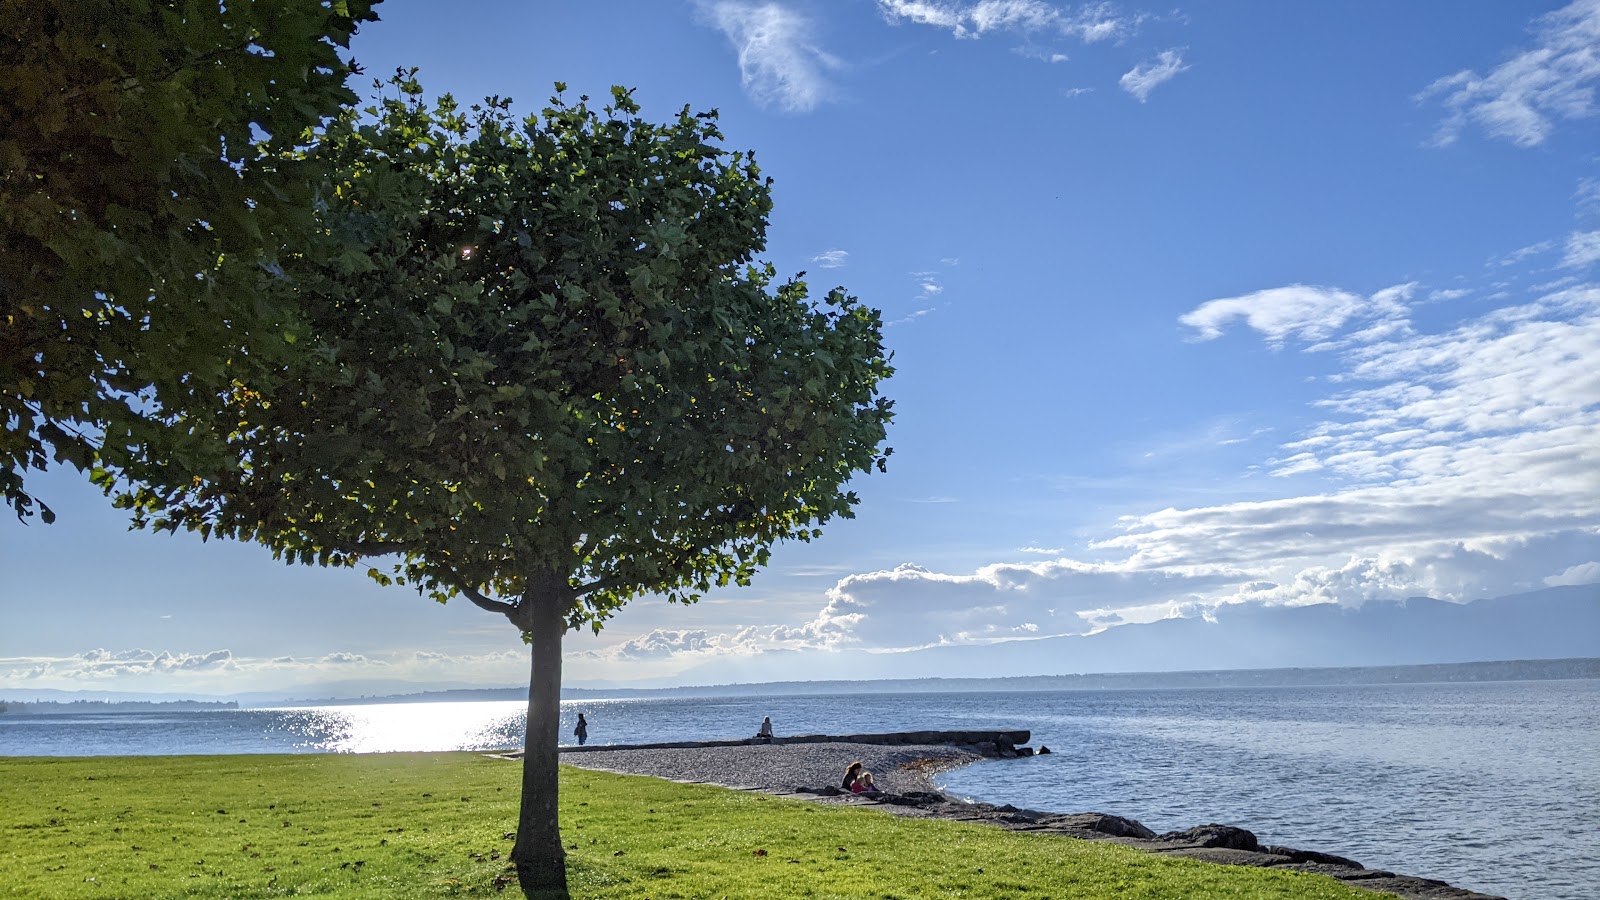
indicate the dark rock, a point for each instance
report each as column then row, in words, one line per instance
column 1227, row 857
column 1100, row 823
column 1343, row 873
column 1043, row 749
column 1312, row 856
column 1212, row 836
column 1422, row 889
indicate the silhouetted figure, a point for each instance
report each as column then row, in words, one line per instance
column 582, row 731
column 765, row 734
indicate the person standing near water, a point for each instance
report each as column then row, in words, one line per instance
column 582, row 731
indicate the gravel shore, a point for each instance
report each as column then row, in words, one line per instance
column 783, row 768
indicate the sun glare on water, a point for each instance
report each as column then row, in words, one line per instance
column 406, row 727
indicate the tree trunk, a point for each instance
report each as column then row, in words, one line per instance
column 538, row 854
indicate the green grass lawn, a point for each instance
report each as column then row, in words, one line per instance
column 439, row 825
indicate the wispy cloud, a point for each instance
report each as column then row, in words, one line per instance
column 1520, row 99
column 1147, row 76
column 1089, row 23
column 780, row 64
column 1583, row 249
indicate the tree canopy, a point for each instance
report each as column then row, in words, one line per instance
column 548, row 372
column 144, row 177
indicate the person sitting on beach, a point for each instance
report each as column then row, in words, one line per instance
column 765, row 734
column 864, row 785
column 851, row 773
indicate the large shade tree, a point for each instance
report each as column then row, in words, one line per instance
column 549, row 374
column 142, row 179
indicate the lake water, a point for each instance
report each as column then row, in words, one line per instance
column 1494, row 787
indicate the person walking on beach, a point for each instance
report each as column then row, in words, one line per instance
column 582, row 731
column 765, row 734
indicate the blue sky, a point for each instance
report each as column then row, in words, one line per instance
column 1245, row 303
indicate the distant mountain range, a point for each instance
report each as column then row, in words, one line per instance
column 1551, row 633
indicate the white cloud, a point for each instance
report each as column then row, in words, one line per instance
column 910, row 607
column 780, row 64
column 1583, row 573
column 220, row 671
column 1100, row 22
column 1307, row 312
column 1147, row 76
column 1583, row 249
column 831, row 259
column 1456, row 465
column 1090, row 23
column 1588, row 196
column 1522, row 253
column 1519, row 98
column 1048, row 56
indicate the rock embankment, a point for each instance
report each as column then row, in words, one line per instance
column 810, row 767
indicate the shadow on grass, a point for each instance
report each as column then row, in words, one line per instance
column 543, row 880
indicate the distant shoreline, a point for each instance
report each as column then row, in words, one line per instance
column 1579, row 668
column 1575, row 668
column 84, row 707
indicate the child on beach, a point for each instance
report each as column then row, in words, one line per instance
column 864, row 785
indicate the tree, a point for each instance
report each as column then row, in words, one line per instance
column 142, row 180
column 550, row 376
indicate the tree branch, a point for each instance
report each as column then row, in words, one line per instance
column 482, row 602
column 600, row 584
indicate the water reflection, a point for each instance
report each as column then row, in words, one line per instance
column 402, row 727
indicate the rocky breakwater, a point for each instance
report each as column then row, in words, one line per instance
column 906, row 763
column 1223, row 844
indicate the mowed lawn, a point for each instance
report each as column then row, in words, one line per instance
column 440, row 825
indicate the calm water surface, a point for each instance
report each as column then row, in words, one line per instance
column 1495, row 787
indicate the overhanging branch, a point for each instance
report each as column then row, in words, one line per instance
column 486, row 603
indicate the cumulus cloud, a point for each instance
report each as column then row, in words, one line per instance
column 831, row 259
column 910, row 607
column 1520, row 99
column 1307, row 312
column 1583, row 573
column 780, row 64
column 1147, row 76
column 1455, row 464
